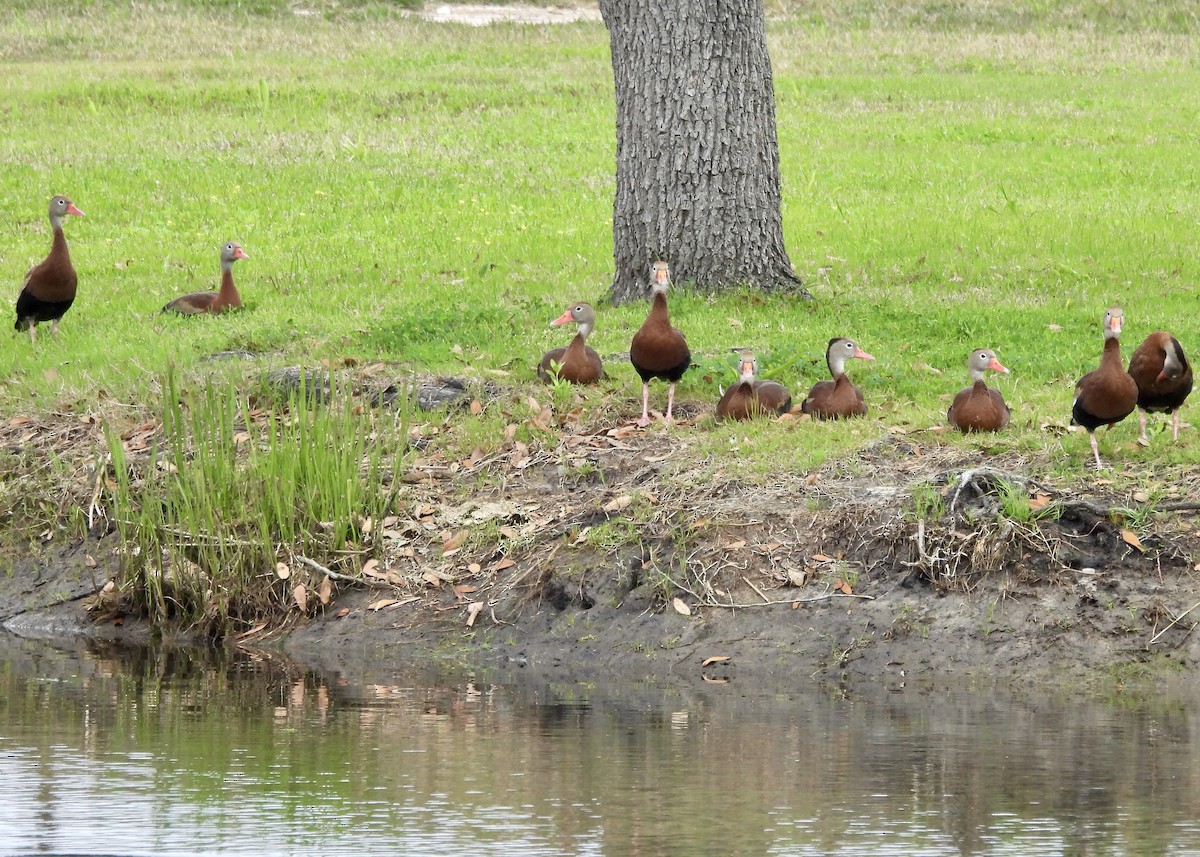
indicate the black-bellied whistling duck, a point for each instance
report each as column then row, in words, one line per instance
column 577, row 363
column 831, row 400
column 979, row 407
column 659, row 350
column 1108, row 394
column 749, row 398
column 49, row 287
column 214, row 302
column 1163, row 377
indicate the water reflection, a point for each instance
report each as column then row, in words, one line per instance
column 161, row 752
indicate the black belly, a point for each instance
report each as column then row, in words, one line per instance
column 672, row 373
column 1164, row 402
column 31, row 310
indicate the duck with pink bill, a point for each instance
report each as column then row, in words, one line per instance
column 577, row 362
column 838, row 398
column 980, row 407
column 50, row 286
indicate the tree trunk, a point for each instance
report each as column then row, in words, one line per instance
column 697, row 153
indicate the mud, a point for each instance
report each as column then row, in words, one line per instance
column 633, row 567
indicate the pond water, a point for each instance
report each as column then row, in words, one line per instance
column 164, row 752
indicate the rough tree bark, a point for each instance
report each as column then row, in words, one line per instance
column 697, row 153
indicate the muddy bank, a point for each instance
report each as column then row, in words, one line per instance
column 912, row 569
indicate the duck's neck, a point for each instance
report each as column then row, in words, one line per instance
column 1112, row 353
column 58, row 248
column 228, row 296
column 658, row 309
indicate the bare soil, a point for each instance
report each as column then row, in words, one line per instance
column 603, row 554
column 483, row 14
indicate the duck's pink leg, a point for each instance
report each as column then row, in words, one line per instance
column 1095, row 450
column 644, row 420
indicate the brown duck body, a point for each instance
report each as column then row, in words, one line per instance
column 49, row 288
column 978, row 408
column 832, row 400
column 659, row 350
column 1108, row 394
column 214, row 303
column 208, row 302
column 839, row 398
column 748, row 399
column 578, row 363
column 1163, row 377
column 1105, row 395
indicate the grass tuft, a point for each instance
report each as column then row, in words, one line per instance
column 212, row 522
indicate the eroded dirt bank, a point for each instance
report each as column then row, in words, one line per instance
column 601, row 557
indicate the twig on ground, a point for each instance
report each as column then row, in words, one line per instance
column 826, row 597
column 366, row 581
column 1172, row 624
column 761, row 594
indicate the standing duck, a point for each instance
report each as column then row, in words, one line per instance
column 748, row 398
column 659, row 350
column 577, row 363
column 49, row 287
column 1108, row 394
column 214, row 302
column 1163, row 377
column 979, row 407
column 831, row 400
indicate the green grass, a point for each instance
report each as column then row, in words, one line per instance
column 212, row 522
column 432, row 195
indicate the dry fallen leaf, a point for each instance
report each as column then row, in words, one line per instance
column 820, row 557
column 1132, row 540
column 843, row 587
column 325, row 591
column 300, row 596
column 462, row 590
column 681, row 607
column 501, row 564
column 453, row 543
column 1039, row 501
column 282, row 571
column 716, row 659
column 476, row 408
column 618, row 503
column 382, row 603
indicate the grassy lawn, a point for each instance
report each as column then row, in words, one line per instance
column 430, row 196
